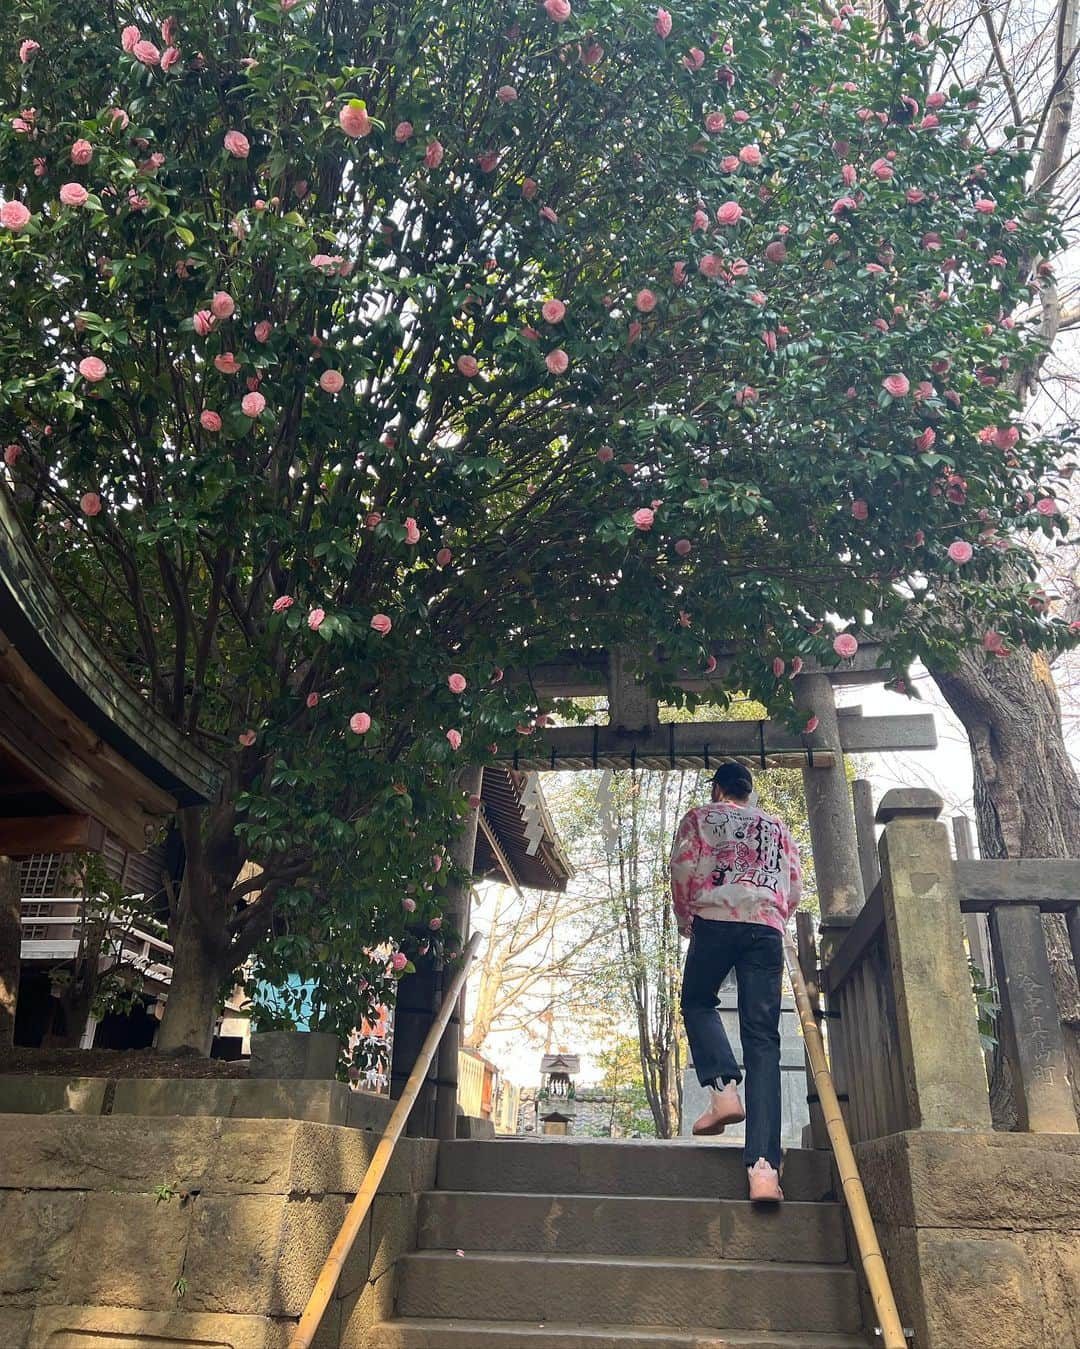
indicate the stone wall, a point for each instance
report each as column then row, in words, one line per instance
column 981, row 1236
column 195, row 1230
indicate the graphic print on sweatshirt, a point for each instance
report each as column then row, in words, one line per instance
column 748, row 848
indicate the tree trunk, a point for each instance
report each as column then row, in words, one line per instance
column 1027, row 797
column 10, row 947
column 198, row 973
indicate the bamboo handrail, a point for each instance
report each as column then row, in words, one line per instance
column 873, row 1262
column 330, row 1273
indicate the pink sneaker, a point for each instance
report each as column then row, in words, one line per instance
column 764, row 1183
column 725, row 1108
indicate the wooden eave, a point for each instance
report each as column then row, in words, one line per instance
column 76, row 738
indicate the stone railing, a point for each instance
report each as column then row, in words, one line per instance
column 902, row 1018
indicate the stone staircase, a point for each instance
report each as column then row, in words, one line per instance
column 560, row 1244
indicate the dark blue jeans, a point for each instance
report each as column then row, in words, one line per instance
column 756, row 953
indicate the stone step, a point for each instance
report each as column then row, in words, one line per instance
column 695, row 1229
column 670, row 1169
column 604, row 1290
column 420, row 1334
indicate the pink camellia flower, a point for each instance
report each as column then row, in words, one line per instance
column 203, row 322
column 985, row 206
column 860, row 510
column 433, row 155
column 897, row 385
column 694, row 59
column 506, row 93
column 645, row 301
column 847, row 172
column 751, row 155
column 381, row 624
column 714, row 122
column 90, row 503
column 529, row 188
column 223, row 305
column 263, row 330
column 93, row 368
column 226, row 363
column 1004, row 437
column 1047, row 506
column 253, row 404
column 11, row 455
column 915, row 195
column 312, row 700
column 678, row 274
column 489, row 161
column 209, row 421
column 554, row 311
column 331, row 381
column 456, row 683
column 936, row 100
column 247, row 738
column 924, row 441
column 605, row 454
column 730, row 164
column 118, row 119
column 711, row 265
column 811, row 726
column 699, row 222
column 643, row 518
column 557, row 361
column 82, row 152
column 145, row 52
column 354, row 120
column 960, row 551
column 237, row 144
column 128, row 38
column 845, row 645
column 14, row 216
column 29, row 49
column 778, row 667
column 409, row 904
column 557, row 10
column 373, row 519
column 662, row 24
column 436, row 922
column 315, row 619
column 758, row 297
column 796, row 665
column 843, row 204
column 443, row 557
column 549, row 215
column 169, row 58
column 412, row 531
column 710, row 665
column 729, row 214
column 929, row 122
column 769, row 338
column 398, row 961
column 360, row 723
column 1012, row 226
column 882, row 170
column 468, row 366
column 403, row 132
column 282, row 603
column 73, row 194
column 455, row 739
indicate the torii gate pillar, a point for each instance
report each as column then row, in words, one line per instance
column 828, row 808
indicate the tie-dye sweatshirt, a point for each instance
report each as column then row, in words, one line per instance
column 734, row 863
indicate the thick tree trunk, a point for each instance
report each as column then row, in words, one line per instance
column 1027, row 797
column 198, row 972
column 10, row 947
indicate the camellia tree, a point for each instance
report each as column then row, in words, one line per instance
column 352, row 355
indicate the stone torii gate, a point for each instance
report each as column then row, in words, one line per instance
column 635, row 737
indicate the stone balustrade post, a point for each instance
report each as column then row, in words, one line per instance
column 944, row 1076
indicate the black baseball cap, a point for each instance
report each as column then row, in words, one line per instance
column 734, row 779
